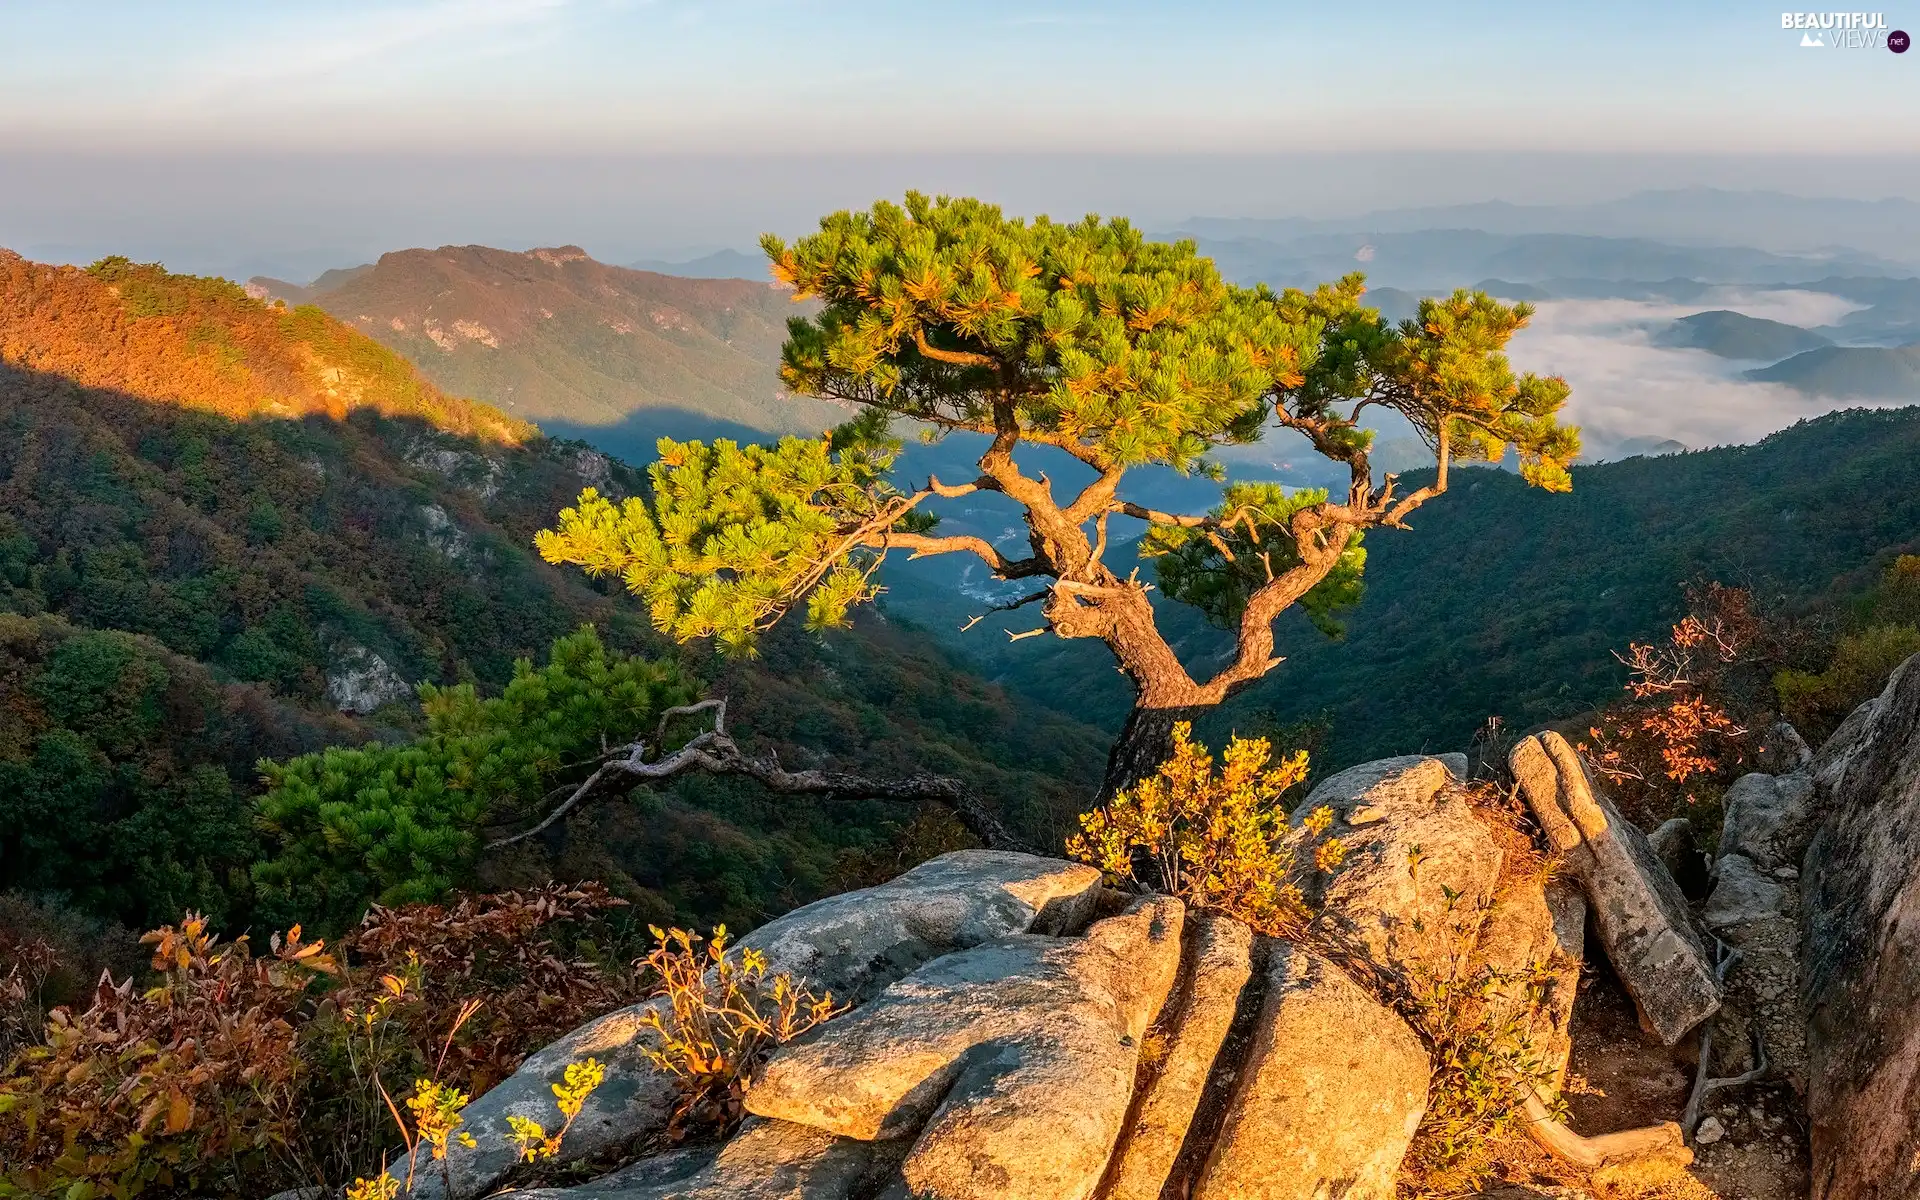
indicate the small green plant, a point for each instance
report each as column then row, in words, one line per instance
column 1219, row 841
column 570, row 1094
column 724, row 1015
column 1485, row 1062
column 1478, row 1022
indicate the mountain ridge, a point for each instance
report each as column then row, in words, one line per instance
column 555, row 336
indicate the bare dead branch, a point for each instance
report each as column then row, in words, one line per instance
column 1704, row 1084
column 716, row 705
column 1651, row 1141
column 714, row 752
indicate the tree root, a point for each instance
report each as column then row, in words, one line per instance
column 1662, row 1141
column 715, row 752
column 1704, row 1084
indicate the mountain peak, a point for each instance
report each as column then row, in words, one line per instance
column 560, row 255
column 557, row 336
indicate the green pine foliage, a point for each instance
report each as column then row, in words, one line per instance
column 1136, row 349
column 395, row 824
column 734, row 534
column 1215, row 571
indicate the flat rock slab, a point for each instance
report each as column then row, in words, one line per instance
column 1220, row 950
column 1014, row 1061
column 1419, row 871
column 851, row 944
column 1638, row 909
column 1330, row 1095
column 765, row 1160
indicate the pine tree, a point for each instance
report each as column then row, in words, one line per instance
column 1120, row 351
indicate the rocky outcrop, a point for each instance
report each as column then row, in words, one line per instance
column 1769, row 820
column 851, row 944
column 1220, row 951
column 1009, row 1065
column 1638, row 909
column 360, row 681
column 1329, row 1096
column 1003, row 1043
column 1418, row 875
column 1741, row 895
column 1861, row 887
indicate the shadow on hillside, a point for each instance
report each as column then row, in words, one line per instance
column 262, row 545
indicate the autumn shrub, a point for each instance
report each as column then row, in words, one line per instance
column 240, row 1075
column 25, row 965
column 1695, row 707
column 457, row 994
column 1218, row 840
column 723, row 1015
column 1478, row 1030
column 1478, row 1021
column 191, row 1087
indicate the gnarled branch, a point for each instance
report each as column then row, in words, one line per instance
column 715, row 752
column 957, row 358
column 1704, row 1083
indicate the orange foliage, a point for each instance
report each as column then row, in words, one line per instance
column 1675, row 730
column 487, row 949
column 184, row 1086
column 205, row 344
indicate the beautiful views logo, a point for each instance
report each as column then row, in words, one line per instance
column 1840, row 30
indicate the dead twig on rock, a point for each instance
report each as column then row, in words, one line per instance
column 715, row 752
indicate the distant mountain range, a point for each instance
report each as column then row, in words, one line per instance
column 1736, row 335
column 1881, row 230
column 1850, row 372
column 575, row 344
column 721, row 264
column 1442, row 259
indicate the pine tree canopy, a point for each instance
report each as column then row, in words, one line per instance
column 1122, row 350
column 1114, row 348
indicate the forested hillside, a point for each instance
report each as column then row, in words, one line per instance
column 556, row 337
column 277, row 518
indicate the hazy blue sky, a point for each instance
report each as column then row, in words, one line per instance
column 603, row 75
column 197, row 129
